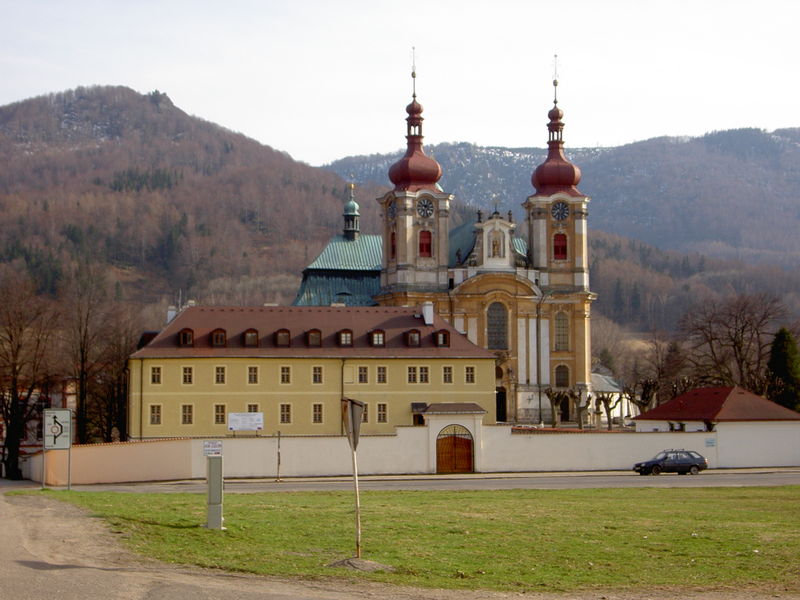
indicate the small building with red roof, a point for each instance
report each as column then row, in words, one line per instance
column 755, row 431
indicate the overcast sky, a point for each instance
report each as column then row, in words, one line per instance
column 323, row 79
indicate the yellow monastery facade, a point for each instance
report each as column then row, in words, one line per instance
column 293, row 365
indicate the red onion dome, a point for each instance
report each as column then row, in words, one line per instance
column 556, row 173
column 415, row 170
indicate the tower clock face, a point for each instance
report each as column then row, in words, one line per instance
column 425, row 207
column 560, row 211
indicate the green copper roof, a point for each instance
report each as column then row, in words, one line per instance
column 352, row 288
column 361, row 254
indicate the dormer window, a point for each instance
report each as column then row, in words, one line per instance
column 442, row 338
column 250, row 338
column 282, row 338
column 186, row 338
column 314, row 338
column 346, row 337
column 218, row 338
column 412, row 338
column 378, row 338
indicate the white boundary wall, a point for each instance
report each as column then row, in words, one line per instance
column 412, row 450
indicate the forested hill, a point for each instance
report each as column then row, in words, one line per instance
column 172, row 202
column 727, row 194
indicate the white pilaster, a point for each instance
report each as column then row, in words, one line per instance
column 522, row 344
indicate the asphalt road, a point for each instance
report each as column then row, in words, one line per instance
column 479, row 481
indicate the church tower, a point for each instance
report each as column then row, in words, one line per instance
column 558, row 251
column 416, row 216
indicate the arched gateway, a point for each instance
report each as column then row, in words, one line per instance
column 454, row 450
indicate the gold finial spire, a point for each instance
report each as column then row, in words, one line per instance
column 414, row 71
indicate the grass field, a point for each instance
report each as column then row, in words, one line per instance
column 505, row 540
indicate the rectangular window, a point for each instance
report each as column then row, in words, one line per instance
column 382, row 413
column 365, row 414
column 469, row 374
column 424, row 375
column 363, row 374
column 188, row 375
column 252, row 408
column 155, row 375
column 187, row 414
column 316, row 416
column 447, row 374
column 219, row 375
column 219, row 414
column 316, row 374
column 286, row 413
column 381, row 375
column 155, row 414
column 252, row 375
column 286, row 374
column 412, row 374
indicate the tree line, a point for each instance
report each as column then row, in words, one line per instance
column 75, row 343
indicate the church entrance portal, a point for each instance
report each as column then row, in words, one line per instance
column 454, row 450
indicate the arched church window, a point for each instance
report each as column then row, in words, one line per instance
column 497, row 327
column 562, row 376
column 560, row 246
column 425, row 243
column 562, row 331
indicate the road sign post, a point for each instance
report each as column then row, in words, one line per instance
column 212, row 450
column 352, row 413
column 57, row 435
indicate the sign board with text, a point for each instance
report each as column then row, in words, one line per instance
column 212, row 447
column 248, row 421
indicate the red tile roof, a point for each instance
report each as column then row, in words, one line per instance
column 394, row 321
column 718, row 404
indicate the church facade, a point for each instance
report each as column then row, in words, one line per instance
column 520, row 292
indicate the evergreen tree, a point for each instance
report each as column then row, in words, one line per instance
column 784, row 370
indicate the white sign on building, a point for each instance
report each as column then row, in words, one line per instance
column 248, row 421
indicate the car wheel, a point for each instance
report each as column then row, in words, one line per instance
column 656, row 470
column 694, row 470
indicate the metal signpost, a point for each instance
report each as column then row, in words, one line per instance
column 352, row 413
column 57, row 434
column 212, row 450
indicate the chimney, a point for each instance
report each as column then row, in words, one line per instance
column 427, row 312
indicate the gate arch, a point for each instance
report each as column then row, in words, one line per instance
column 454, row 450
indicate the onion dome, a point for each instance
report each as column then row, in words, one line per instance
column 556, row 173
column 351, row 216
column 415, row 170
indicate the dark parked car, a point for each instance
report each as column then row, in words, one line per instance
column 672, row 461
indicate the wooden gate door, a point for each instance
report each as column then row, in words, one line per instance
column 454, row 450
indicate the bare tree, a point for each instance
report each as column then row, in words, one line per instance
column 728, row 341
column 609, row 402
column 26, row 371
column 642, row 393
column 108, row 390
column 85, row 301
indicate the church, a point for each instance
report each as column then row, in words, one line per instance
column 522, row 292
